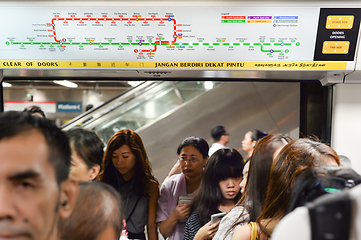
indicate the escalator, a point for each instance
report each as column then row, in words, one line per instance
column 138, row 106
column 164, row 113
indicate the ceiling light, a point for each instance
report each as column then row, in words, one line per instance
column 134, row 83
column 208, row 85
column 66, row 83
column 5, row 84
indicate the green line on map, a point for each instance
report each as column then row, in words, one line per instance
column 166, row 44
column 233, row 21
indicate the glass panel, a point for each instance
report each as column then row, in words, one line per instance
column 88, row 117
column 141, row 106
column 192, row 89
column 140, row 111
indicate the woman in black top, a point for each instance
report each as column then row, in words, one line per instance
column 126, row 167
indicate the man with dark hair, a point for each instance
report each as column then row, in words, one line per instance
column 220, row 137
column 35, row 190
column 35, row 110
column 98, row 214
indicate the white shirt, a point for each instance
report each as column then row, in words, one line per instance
column 214, row 148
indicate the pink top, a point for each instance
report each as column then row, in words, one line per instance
column 170, row 190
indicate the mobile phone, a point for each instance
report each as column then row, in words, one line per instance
column 217, row 216
column 184, row 199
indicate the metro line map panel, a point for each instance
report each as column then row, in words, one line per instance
column 159, row 34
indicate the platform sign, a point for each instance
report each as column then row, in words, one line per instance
column 69, row 106
column 176, row 37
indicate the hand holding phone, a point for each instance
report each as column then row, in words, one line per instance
column 182, row 212
column 184, row 199
column 217, row 216
column 207, row 231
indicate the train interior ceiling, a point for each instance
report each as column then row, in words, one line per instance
column 281, row 80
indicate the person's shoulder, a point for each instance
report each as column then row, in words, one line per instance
column 237, row 210
column 154, row 183
column 175, row 177
column 193, row 219
column 153, row 187
column 193, row 215
column 215, row 146
column 292, row 223
column 238, row 213
column 242, row 233
column 172, row 181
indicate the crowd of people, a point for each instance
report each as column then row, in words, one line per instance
column 57, row 185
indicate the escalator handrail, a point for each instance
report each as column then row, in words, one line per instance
column 110, row 110
column 89, row 112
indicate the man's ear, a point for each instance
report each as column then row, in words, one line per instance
column 93, row 172
column 69, row 190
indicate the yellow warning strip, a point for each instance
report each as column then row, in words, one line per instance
column 4, row 64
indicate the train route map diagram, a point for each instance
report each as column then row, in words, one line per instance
column 161, row 34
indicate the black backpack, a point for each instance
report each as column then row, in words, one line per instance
column 330, row 216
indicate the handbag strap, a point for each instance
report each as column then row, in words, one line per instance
column 131, row 213
column 254, row 230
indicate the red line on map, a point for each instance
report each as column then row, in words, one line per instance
column 104, row 18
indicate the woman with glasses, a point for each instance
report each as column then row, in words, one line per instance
column 218, row 193
column 173, row 205
column 126, row 167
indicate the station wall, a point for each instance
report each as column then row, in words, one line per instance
column 346, row 126
column 61, row 95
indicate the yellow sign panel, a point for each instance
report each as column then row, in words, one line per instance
column 335, row 47
column 259, row 21
column 165, row 64
column 339, row 22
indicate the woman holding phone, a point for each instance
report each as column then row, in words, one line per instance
column 172, row 212
column 219, row 192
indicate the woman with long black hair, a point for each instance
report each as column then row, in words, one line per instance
column 249, row 207
column 219, row 192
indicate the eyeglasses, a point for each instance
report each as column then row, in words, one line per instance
column 184, row 159
column 336, row 184
column 226, row 134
